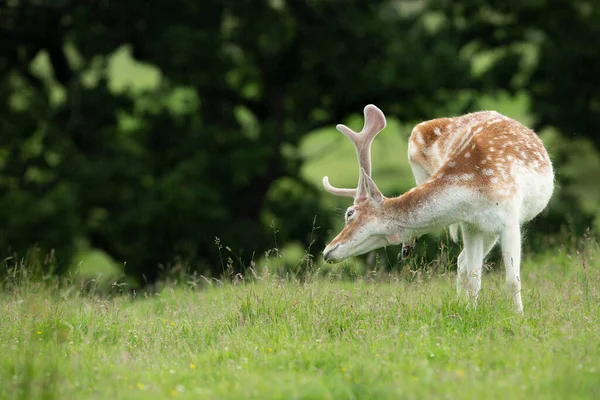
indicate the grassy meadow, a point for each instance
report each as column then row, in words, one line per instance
column 330, row 335
column 379, row 336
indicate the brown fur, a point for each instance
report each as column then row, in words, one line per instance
column 479, row 150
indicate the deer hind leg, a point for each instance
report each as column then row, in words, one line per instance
column 470, row 268
column 470, row 264
column 511, row 253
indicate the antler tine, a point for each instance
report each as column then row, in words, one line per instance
column 338, row 191
column 374, row 123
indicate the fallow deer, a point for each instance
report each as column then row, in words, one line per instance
column 483, row 171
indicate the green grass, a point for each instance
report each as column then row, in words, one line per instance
column 401, row 336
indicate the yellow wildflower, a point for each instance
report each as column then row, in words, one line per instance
column 141, row 386
column 174, row 393
column 270, row 350
column 39, row 332
column 192, row 366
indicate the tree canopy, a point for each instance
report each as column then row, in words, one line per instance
column 155, row 175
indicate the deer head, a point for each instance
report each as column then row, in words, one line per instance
column 368, row 225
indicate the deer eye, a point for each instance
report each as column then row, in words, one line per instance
column 349, row 213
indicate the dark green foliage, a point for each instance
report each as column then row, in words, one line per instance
column 151, row 183
column 546, row 47
column 152, row 176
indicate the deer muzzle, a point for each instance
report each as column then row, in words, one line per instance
column 328, row 253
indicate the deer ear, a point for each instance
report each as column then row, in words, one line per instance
column 369, row 189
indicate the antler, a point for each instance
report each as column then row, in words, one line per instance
column 374, row 123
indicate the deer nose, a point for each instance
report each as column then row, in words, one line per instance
column 327, row 252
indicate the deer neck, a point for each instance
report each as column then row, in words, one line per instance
column 424, row 208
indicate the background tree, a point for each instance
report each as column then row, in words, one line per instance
column 209, row 147
column 154, row 176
